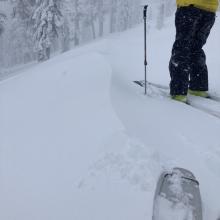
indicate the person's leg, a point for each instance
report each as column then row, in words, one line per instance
column 199, row 73
column 180, row 62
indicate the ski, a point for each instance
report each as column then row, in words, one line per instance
column 177, row 196
column 141, row 83
column 210, row 105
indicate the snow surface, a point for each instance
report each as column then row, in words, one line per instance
column 168, row 212
column 80, row 141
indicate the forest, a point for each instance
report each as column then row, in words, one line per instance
column 33, row 30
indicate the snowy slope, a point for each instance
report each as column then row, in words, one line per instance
column 80, row 141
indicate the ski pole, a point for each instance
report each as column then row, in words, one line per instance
column 145, row 47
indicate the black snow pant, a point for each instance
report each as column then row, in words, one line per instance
column 188, row 61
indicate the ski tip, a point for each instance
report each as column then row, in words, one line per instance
column 140, row 83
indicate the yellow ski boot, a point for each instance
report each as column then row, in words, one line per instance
column 202, row 94
column 180, row 98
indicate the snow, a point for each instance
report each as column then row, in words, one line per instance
column 179, row 212
column 80, row 141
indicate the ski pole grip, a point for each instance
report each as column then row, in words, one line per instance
column 145, row 11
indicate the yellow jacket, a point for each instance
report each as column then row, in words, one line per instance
column 208, row 5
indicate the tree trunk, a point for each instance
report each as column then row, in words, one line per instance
column 65, row 42
column 113, row 16
column 160, row 18
column 101, row 19
column 93, row 29
column 76, row 24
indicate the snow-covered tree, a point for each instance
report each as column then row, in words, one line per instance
column 124, row 15
column 90, row 15
column 113, row 17
column 102, row 10
column 21, row 44
column 161, row 15
column 170, row 6
column 94, row 15
column 22, row 9
column 2, row 20
column 76, row 17
column 46, row 26
column 65, row 36
column 48, row 20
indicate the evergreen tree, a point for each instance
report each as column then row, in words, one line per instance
column 22, row 9
column 2, row 20
column 100, row 9
column 65, row 36
column 48, row 20
column 76, row 16
column 90, row 15
column 161, row 15
column 124, row 14
column 101, row 16
column 21, row 44
column 113, row 15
